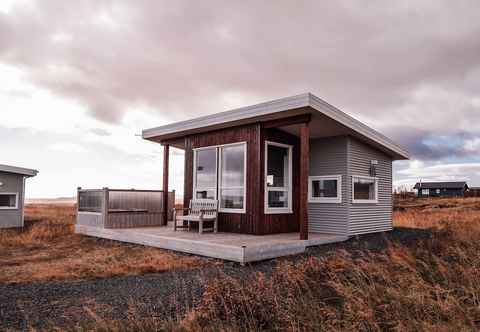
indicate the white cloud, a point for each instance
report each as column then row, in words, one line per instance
column 6, row 6
column 473, row 145
column 75, row 153
column 61, row 37
column 68, row 147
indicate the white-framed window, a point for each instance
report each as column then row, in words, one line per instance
column 437, row 191
column 8, row 201
column 205, row 173
column 325, row 189
column 364, row 189
column 278, row 178
column 219, row 172
column 425, row 192
column 233, row 178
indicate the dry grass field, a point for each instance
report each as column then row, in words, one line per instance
column 48, row 249
column 422, row 276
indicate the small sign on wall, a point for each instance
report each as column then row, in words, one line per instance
column 269, row 180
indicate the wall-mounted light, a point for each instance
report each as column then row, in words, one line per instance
column 373, row 167
column 1, row 183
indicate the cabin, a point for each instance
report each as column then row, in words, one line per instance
column 296, row 164
column 12, row 195
column 285, row 174
column 473, row 192
column 441, row 189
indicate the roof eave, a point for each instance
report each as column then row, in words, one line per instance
column 398, row 152
column 229, row 117
column 19, row 170
column 251, row 113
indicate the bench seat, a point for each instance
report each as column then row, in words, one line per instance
column 199, row 211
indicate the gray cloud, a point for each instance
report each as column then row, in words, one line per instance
column 406, row 63
column 424, row 144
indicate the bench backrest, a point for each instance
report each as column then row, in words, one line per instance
column 197, row 205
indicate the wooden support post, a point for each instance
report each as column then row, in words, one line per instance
column 166, row 149
column 105, row 207
column 304, row 172
column 78, row 199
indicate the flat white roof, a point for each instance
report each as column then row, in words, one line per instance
column 18, row 170
column 305, row 103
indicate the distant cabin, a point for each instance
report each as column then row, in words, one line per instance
column 12, row 194
column 473, row 192
column 441, row 189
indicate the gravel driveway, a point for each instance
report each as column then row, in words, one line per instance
column 66, row 304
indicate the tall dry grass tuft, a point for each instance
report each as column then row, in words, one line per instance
column 432, row 284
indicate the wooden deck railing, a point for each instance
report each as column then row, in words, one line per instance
column 122, row 208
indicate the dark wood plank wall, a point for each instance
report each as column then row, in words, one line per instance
column 254, row 220
column 247, row 222
column 280, row 223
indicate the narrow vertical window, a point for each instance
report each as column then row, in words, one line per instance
column 205, row 173
column 232, row 178
column 278, row 178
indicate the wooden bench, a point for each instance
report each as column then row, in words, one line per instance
column 199, row 210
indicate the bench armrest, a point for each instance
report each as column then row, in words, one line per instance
column 180, row 209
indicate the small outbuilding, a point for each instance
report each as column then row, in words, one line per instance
column 12, row 194
column 441, row 189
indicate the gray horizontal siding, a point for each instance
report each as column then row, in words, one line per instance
column 369, row 218
column 328, row 156
column 12, row 183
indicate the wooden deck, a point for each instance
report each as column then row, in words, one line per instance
column 240, row 248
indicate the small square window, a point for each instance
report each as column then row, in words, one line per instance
column 325, row 189
column 365, row 189
column 8, row 201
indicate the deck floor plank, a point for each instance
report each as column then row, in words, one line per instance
column 242, row 248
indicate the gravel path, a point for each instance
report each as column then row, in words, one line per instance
column 65, row 304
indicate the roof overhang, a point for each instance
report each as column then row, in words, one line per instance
column 18, row 170
column 321, row 112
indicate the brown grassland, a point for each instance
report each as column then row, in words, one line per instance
column 424, row 275
column 48, row 249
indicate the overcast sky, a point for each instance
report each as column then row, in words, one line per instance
column 80, row 79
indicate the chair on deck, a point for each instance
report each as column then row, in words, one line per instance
column 199, row 210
